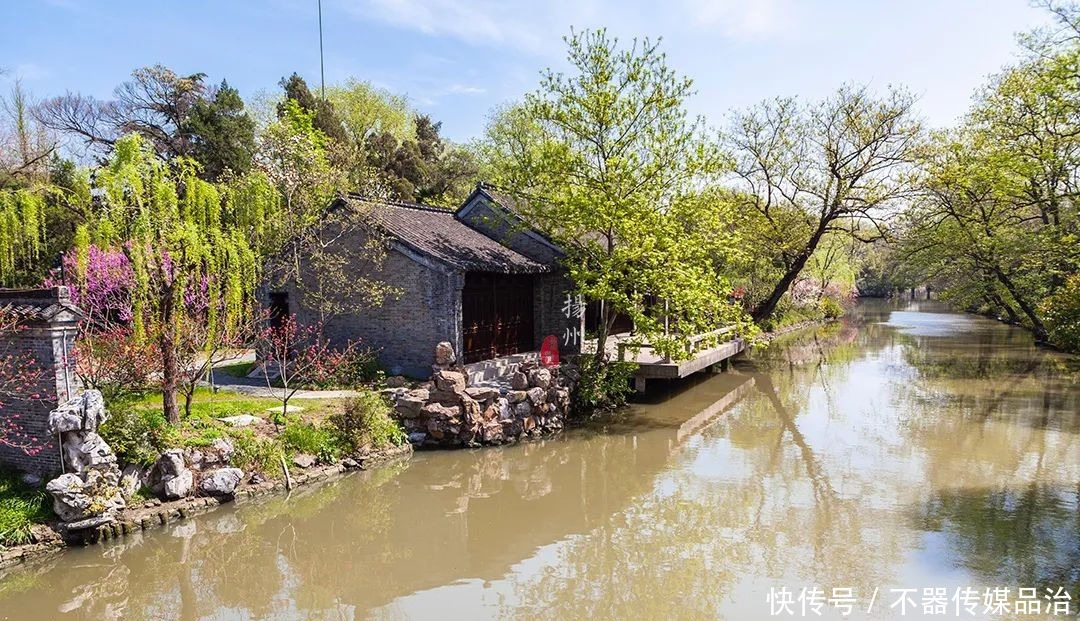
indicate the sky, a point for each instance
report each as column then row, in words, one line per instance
column 458, row 59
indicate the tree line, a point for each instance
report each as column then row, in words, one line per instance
column 193, row 196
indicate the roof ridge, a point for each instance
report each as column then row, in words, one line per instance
column 402, row 204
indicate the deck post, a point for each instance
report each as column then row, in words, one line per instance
column 639, row 384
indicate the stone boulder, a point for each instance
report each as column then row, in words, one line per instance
column 221, row 482
column 395, row 381
column 169, row 477
column 519, row 381
column 449, row 381
column 240, row 420
column 83, row 413
column 482, row 393
column 131, row 480
column 540, row 377
column 86, row 450
column 179, row 486
column 444, row 354
column 408, row 406
column 217, row 454
column 80, row 496
column 537, row 395
column 303, row 460
column 438, row 410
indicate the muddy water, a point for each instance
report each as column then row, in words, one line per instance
column 906, row 448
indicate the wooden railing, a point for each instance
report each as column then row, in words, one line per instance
column 691, row 343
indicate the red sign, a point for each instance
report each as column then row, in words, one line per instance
column 549, row 351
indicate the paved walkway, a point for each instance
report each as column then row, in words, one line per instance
column 256, row 386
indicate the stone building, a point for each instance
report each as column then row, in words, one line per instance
column 476, row 277
column 39, row 340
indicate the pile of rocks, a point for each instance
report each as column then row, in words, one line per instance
column 89, row 492
column 93, row 489
column 178, row 473
column 446, row 412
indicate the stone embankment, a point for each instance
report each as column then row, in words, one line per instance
column 447, row 413
column 96, row 501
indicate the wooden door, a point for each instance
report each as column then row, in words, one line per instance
column 496, row 315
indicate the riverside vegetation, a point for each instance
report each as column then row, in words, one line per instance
column 778, row 218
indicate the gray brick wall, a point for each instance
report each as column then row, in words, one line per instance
column 404, row 330
column 50, row 344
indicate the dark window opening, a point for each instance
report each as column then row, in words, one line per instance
column 279, row 308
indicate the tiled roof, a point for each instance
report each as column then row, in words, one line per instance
column 438, row 233
column 36, row 304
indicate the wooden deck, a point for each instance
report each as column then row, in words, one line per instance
column 654, row 366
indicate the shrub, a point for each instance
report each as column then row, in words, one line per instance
column 602, row 385
column 137, row 436
column 830, row 308
column 365, row 422
column 314, row 439
column 1061, row 314
column 115, row 363
column 20, row 508
column 347, row 368
column 255, row 453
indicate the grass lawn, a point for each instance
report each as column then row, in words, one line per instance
column 20, row 508
column 209, row 404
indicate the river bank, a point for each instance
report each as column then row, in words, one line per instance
column 919, row 446
column 54, row 536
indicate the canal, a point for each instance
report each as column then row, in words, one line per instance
column 905, row 447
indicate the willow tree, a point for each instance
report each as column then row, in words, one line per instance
column 609, row 163
column 183, row 247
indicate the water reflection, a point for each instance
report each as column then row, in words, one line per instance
column 904, row 447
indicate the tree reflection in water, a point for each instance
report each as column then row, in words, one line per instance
column 862, row 454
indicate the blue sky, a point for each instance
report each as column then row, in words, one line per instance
column 457, row 59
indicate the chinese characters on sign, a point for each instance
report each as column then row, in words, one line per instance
column 573, row 308
column 960, row 602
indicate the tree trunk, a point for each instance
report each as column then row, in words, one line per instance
column 602, row 330
column 169, row 372
column 1037, row 326
column 189, row 396
column 768, row 305
column 170, row 369
column 996, row 300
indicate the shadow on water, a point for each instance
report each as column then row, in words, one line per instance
column 1026, row 536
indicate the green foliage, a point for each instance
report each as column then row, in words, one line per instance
column 610, row 165
column 255, row 453
column 320, row 440
column 20, row 508
column 137, row 436
column 601, row 385
column 364, row 423
column 998, row 229
column 321, row 111
column 830, row 308
column 366, row 110
column 22, row 231
column 1062, row 313
column 223, row 133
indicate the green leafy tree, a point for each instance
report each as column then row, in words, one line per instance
column 609, row 163
column 323, row 115
column 223, row 133
column 840, row 166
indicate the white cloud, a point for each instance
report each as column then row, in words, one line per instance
column 737, row 19
column 538, row 26
column 465, row 89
